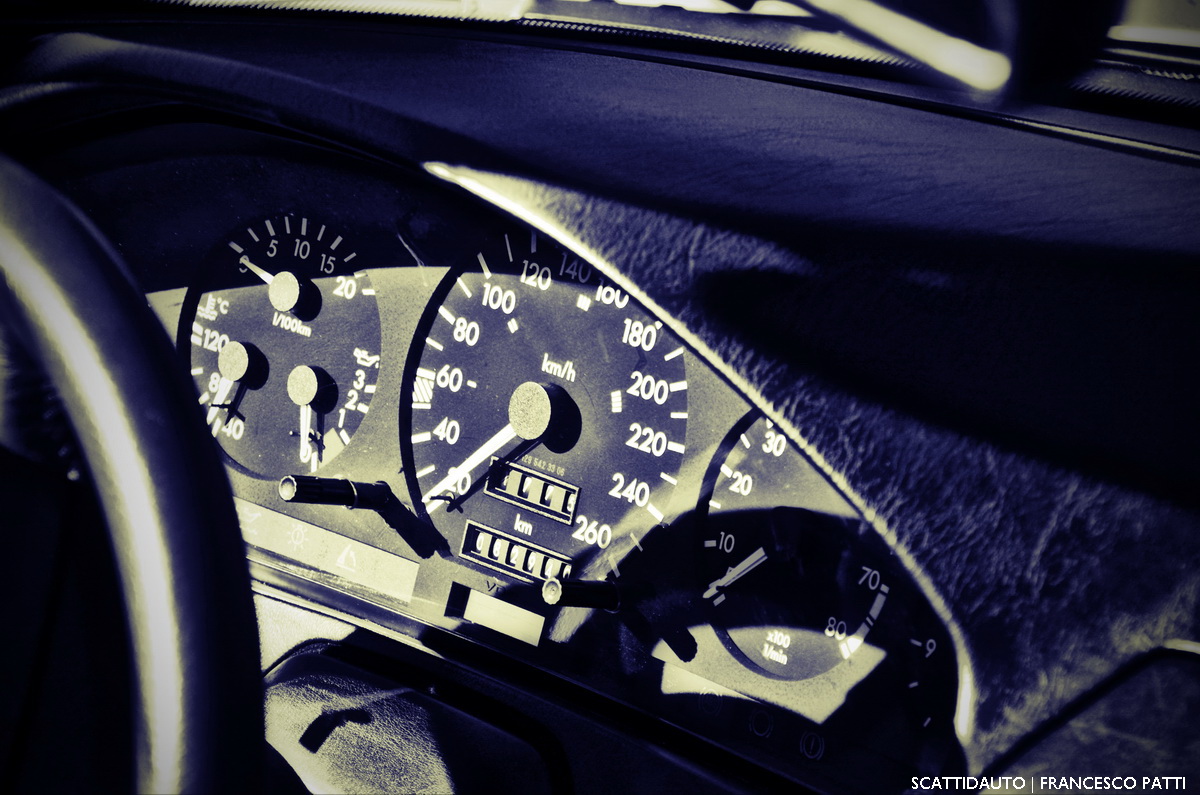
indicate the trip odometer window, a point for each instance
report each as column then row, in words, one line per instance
column 547, row 413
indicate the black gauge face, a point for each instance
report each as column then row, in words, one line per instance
column 284, row 344
column 547, row 412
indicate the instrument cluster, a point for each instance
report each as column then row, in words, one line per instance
column 437, row 419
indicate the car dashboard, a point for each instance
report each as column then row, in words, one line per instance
column 656, row 419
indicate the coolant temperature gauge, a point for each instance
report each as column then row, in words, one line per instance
column 283, row 338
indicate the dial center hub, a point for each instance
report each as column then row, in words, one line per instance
column 242, row 362
column 312, row 386
column 290, row 293
column 530, row 410
column 545, row 412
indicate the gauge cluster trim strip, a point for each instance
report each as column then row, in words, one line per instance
column 325, row 551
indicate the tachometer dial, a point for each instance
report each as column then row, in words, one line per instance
column 548, row 412
column 283, row 337
column 797, row 584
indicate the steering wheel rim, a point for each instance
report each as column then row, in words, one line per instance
column 162, row 487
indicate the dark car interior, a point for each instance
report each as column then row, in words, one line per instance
column 588, row 397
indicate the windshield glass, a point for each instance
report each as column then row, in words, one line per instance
column 983, row 47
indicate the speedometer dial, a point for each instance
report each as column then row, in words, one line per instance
column 548, row 412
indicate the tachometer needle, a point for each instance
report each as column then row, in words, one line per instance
column 735, row 573
column 486, row 451
column 259, row 272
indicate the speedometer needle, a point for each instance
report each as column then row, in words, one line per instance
column 735, row 573
column 486, row 451
column 535, row 411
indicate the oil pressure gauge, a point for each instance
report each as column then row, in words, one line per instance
column 283, row 338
